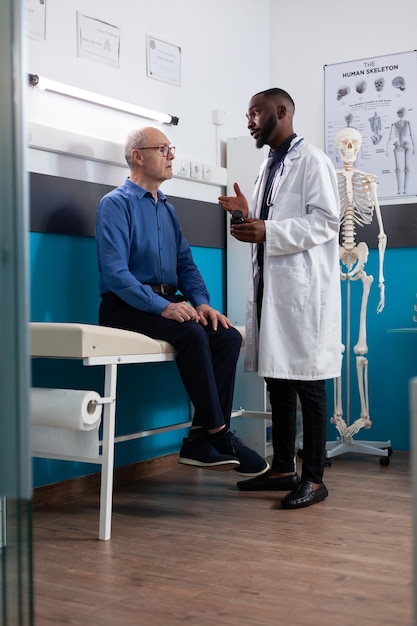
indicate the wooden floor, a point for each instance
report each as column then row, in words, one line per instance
column 188, row 548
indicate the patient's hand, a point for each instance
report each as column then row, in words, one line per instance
column 180, row 312
column 207, row 313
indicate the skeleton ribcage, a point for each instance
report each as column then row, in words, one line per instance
column 356, row 203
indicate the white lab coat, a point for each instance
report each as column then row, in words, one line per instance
column 300, row 333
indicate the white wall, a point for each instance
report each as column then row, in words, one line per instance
column 307, row 35
column 225, row 58
column 230, row 50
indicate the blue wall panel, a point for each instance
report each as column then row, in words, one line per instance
column 64, row 285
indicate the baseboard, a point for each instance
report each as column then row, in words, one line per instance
column 75, row 487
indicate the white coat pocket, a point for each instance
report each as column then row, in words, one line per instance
column 288, row 287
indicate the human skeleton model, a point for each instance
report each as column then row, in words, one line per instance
column 359, row 201
column 399, row 139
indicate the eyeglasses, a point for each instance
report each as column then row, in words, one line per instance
column 162, row 150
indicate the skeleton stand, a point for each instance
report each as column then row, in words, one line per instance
column 346, row 443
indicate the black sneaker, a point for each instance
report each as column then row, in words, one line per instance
column 200, row 452
column 251, row 463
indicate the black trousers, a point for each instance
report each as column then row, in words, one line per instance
column 283, row 397
column 206, row 359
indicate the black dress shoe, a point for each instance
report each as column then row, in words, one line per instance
column 264, row 483
column 304, row 495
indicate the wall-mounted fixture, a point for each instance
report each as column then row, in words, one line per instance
column 89, row 96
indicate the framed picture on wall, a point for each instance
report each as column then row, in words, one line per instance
column 163, row 61
column 378, row 97
column 35, row 18
column 97, row 40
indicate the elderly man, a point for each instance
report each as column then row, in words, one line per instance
column 150, row 284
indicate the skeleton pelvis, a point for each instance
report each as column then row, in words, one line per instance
column 354, row 260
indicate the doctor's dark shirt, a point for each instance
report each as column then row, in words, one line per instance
column 139, row 243
column 277, row 156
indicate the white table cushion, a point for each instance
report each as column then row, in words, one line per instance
column 72, row 340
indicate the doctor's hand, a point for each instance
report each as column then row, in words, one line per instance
column 235, row 203
column 252, row 231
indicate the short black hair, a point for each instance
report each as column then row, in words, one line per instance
column 276, row 92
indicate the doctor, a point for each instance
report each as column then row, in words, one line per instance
column 293, row 322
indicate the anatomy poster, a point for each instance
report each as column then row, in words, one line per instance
column 378, row 97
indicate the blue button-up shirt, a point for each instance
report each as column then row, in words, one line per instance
column 140, row 242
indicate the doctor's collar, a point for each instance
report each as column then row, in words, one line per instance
column 282, row 149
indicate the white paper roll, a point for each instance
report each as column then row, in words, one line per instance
column 74, row 409
column 63, row 443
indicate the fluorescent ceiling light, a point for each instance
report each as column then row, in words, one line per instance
column 111, row 103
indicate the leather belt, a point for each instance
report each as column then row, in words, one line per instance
column 163, row 290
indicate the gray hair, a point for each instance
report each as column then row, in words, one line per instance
column 136, row 139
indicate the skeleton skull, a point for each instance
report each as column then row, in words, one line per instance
column 399, row 83
column 348, row 142
column 379, row 84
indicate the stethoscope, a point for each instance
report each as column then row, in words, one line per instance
column 278, row 175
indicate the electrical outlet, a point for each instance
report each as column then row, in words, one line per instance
column 183, row 167
column 207, row 172
column 195, row 169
